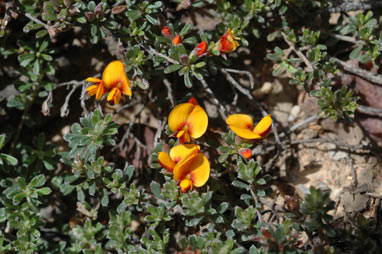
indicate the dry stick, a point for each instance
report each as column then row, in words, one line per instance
column 233, row 82
column 159, row 132
column 126, row 106
column 36, row 20
column 250, row 77
column 348, row 39
column 82, row 99
column 169, row 92
column 376, row 79
column 65, row 107
column 369, row 110
column 131, row 124
column 298, row 52
column 215, row 101
column 348, row 6
column 152, row 51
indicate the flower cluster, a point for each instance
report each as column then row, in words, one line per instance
column 189, row 121
column 185, row 161
column 114, row 81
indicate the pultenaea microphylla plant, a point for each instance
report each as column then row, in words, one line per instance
column 188, row 166
column 114, row 81
column 242, row 125
column 188, row 120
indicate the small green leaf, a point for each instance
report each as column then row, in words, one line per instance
column 41, row 33
column 44, row 191
column 155, row 188
column 172, row 68
column 187, row 80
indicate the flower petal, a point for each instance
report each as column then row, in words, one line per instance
column 244, row 133
column 165, row 161
column 114, row 74
column 114, row 95
column 197, row 166
column 94, row 80
column 183, row 167
column 185, row 185
column 201, row 170
column 100, row 91
column 197, row 122
column 125, row 86
column 181, row 152
column 240, row 121
column 264, row 126
column 179, row 115
column 92, row 90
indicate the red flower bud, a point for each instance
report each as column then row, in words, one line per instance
column 166, row 31
column 246, row 153
column 177, row 40
column 201, row 48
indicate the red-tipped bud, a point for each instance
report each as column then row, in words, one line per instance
column 201, row 48
column 98, row 10
column 166, row 32
column 246, row 153
column 193, row 101
column 177, row 40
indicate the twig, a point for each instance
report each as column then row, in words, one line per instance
column 169, row 92
column 376, row 79
column 214, row 100
column 36, row 20
column 301, row 124
column 256, row 200
column 369, row 110
column 131, row 124
column 348, row 39
column 350, row 148
column 159, row 132
column 233, row 82
column 65, row 107
column 82, row 99
column 127, row 106
column 349, row 6
column 152, row 51
column 298, row 52
column 250, row 76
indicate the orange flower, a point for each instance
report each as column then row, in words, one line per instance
column 246, row 153
column 188, row 165
column 177, row 40
column 188, row 120
column 228, row 43
column 201, row 48
column 242, row 125
column 114, row 81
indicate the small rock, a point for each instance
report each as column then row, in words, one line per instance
column 340, row 155
column 211, row 110
column 264, row 90
column 294, row 113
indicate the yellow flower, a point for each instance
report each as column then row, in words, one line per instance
column 228, row 43
column 114, row 81
column 188, row 120
column 242, row 125
column 188, row 165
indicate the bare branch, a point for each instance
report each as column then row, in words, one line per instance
column 152, row 52
column 376, row 79
column 351, row 6
column 65, row 107
column 36, row 20
column 233, row 82
column 169, row 91
column 348, row 39
column 250, row 76
column 369, row 110
column 298, row 52
column 215, row 101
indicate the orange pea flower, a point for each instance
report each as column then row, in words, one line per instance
column 188, row 165
column 228, row 43
column 201, row 48
column 177, row 40
column 246, row 153
column 242, row 125
column 114, row 81
column 188, row 120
